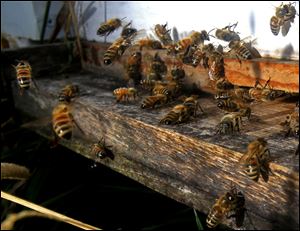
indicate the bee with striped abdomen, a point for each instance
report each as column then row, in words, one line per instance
column 62, row 121
column 161, row 88
column 124, row 94
column 256, row 160
column 193, row 105
column 24, row 75
column 275, row 24
column 227, row 33
column 109, row 26
column 163, row 34
column 178, row 114
column 230, row 124
column 101, row 150
column 149, row 84
column 154, row 100
column 149, row 43
column 158, row 67
column 230, row 202
column 235, row 105
column 128, row 31
column 292, row 124
column 68, row 92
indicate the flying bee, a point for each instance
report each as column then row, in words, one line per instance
column 231, row 123
column 193, row 105
column 178, row 114
column 292, row 124
column 109, row 26
column 68, row 92
column 149, row 43
column 24, row 77
column 227, row 34
column 256, row 160
column 116, row 50
column 124, row 94
column 134, row 67
column 128, row 31
column 163, row 34
column 101, row 150
column 154, row 100
column 275, row 24
column 62, row 121
column 231, row 201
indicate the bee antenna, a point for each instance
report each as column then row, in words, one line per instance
column 211, row 31
column 123, row 18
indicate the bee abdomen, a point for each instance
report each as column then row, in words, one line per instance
column 275, row 25
column 213, row 219
column 252, row 172
column 243, row 52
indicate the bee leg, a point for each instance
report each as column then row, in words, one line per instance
column 21, row 91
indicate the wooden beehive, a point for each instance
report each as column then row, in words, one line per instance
column 186, row 162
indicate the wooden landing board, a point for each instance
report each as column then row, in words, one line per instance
column 186, row 162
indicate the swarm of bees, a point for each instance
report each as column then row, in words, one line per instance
column 230, row 204
column 284, row 16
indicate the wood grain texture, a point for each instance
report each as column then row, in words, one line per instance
column 186, row 162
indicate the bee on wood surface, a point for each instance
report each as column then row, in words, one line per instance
column 62, row 121
column 116, row 50
column 101, row 150
column 154, row 100
column 24, row 75
column 163, row 34
column 230, row 124
column 243, row 94
column 227, row 33
column 292, row 124
column 149, row 84
column 161, row 88
column 68, row 92
column 193, row 105
column 266, row 93
column 222, row 84
column 230, row 202
column 256, row 160
column 124, row 94
column 243, row 50
column 284, row 16
column 235, row 105
column 109, row 26
column 179, row 114
column 149, row 43
column 202, row 55
column 134, row 67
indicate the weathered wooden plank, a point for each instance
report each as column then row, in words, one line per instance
column 186, row 162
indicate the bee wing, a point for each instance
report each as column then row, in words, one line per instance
column 285, row 28
column 264, row 173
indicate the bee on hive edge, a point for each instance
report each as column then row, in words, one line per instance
column 163, row 34
column 154, row 100
column 124, row 94
column 101, row 150
column 230, row 124
column 24, row 75
column 256, row 160
column 179, row 114
column 134, row 67
column 231, row 201
column 227, row 34
column 109, row 26
column 68, row 92
column 193, row 105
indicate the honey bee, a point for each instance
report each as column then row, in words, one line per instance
column 149, row 43
column 128, row 31
column 101, row 150
column 124, row 94
column 158, row 67
column 223, row 84
column 154, row 100
column 68, row 92
column 227, row 34
column 62, row 121
column 109, row 26
column 134, row 67
column 202, row 55
column 177, row 72
column 161, row 88
column 284, row 15
column 163, row 34
column 243, row 94
column 23, row 71
column 265, row 93
column 231, row 201
column 292, row 124
column 116, row 50
column 231, row 123
column 193, row 105
column 235, row 105
column 179, row 114
column 256, row 160
column 148, row 84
